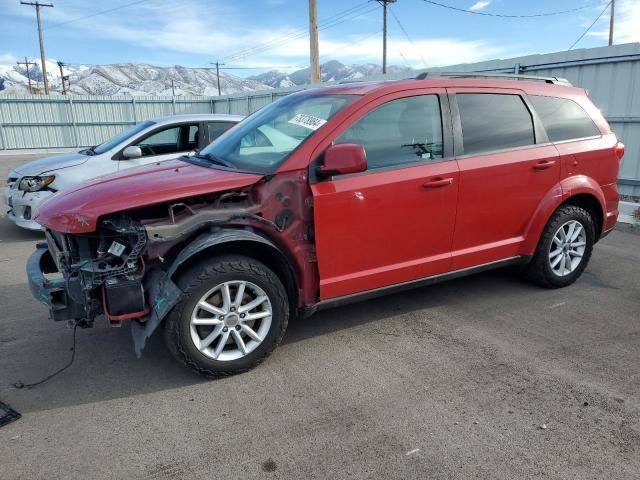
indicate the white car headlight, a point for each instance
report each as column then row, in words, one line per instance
column 35, row 184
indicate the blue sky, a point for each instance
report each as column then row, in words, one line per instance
column 195, row 32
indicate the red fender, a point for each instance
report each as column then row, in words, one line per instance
column 575, row 185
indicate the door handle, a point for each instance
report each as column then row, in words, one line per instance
column 543, row 165
column 439, row 182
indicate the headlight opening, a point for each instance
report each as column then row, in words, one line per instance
column 35, row 184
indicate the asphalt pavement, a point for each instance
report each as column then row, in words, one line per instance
column 482, row 377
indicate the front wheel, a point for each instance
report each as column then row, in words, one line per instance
column 564, row 248
column 233, row 313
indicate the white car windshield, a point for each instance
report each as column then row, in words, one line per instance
column 121, row 137
column 263, row 141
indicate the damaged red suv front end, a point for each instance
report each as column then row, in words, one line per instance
column 113, row 246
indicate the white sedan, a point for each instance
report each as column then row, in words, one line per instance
column 146, row 142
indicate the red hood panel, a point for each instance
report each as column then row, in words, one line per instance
column 77, row 210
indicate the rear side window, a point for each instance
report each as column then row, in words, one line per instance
column 563, row 119
column 494, row 122
column 215, row 129
column 403, row 131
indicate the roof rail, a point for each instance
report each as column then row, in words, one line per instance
column 505, row 76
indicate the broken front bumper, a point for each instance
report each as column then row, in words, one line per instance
column 57, row 294
column 20, row 206
column 54, row 292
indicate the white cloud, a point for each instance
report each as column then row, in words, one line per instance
column 435, row 51
column 627, row 23
column 7, row 58
column 215, row 44
column 479, row 5
column 191, row 27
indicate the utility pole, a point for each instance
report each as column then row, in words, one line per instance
column 611, row 19
column 43, row 66
column 173, row 88
column 218, row 76
column 384, row 32
column 313, row 42
column 26, row 63
column 62, row 77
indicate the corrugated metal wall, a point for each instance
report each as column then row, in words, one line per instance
column 611, row 74
column 33, row 121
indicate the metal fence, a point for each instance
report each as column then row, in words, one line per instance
column 611, row 74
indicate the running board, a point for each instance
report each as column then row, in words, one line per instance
column 421, row 282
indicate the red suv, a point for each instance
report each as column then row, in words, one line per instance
column 329, row 196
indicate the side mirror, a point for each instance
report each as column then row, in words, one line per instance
column 343, row 158
column 132, row 151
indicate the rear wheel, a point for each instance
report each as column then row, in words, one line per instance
column 233, row 314
column 564, row 248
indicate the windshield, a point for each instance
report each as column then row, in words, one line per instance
column 121, row 137
column 264, row 140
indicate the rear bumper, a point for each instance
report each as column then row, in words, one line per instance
column 612, row 199
column 54, row 293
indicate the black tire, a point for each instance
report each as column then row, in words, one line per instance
column 195, row 283
column 539, row 269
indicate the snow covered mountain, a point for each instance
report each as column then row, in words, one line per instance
column 124, row 79
column 329, row 71
column 142, row 79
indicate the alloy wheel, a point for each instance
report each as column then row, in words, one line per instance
column 567, row 248
column 231, row 320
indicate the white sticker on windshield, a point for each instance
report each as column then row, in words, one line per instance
column 307, row 121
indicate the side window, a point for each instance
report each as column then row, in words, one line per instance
column 215, row 129
column 494, row 122
column 158, row 143
column 192, row 139
column 563, row 119
column 401, row 131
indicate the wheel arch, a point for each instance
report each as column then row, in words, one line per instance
column 580, row 191
column 590, row 203
column 243, row 242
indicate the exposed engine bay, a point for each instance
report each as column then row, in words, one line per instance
column 125, row 270
column 103, row 271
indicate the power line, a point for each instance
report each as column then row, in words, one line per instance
column 56, row 25
column 487, row 14
column 354, row 42
column 296, row 33
column 296, row 37
column 409, row 38
column 400, row 52
column 590, row 26
column 337, row 19
column 263, row 68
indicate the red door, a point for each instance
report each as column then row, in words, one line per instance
column 393, row 223
column 506, row 166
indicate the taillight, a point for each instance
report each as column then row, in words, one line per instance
column 619, row 150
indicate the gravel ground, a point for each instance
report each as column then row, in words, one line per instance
column 482, row 377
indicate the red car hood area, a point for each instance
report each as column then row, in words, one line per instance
column 77, row 210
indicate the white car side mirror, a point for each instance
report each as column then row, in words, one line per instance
column 132, row 151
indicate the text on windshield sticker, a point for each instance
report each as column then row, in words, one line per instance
column 307, row 121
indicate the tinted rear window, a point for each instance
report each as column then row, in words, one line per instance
column 563, row 119
column 494, row 122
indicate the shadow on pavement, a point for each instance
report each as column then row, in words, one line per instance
column 106, row 367
column 12, row 233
